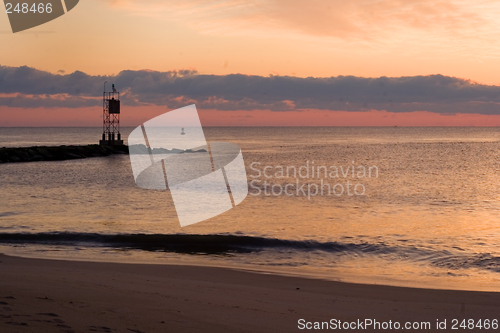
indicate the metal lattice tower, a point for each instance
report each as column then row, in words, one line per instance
column 111, row 117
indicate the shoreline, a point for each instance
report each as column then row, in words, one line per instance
column 460, row 282
column 43, row 295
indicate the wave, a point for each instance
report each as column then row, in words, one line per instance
column 186, row 243
column 221, row 244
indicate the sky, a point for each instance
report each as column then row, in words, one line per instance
column 257, row 63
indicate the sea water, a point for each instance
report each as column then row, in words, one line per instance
column 399, row 206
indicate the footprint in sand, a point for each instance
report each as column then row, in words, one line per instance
column 16, row 323
column 100, row 329
column 50, row 314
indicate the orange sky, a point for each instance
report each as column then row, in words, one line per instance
column 319, row 38
column 134, row 116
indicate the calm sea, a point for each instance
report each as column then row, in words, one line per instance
column 400, row 206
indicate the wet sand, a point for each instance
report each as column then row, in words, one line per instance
column 64, row 296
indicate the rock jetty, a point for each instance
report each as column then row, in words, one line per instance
column 58, row 153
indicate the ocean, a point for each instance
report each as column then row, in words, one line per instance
column 385, row 205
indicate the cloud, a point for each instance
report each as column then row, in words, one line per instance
column 31, row 88
column 334, row 18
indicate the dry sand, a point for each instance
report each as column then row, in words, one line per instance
column 65, row 296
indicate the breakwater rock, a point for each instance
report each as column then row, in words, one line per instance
column 62, row 153
column 58, row 153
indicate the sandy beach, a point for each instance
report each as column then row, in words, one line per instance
column 65, row 296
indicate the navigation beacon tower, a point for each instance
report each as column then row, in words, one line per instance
column 111, row 118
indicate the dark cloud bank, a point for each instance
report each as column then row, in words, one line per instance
column 434, row 93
